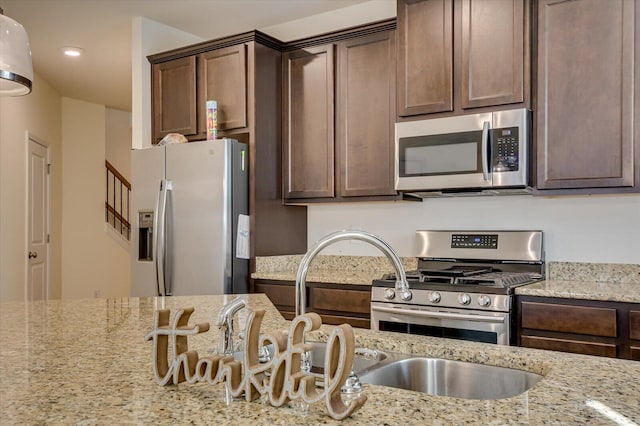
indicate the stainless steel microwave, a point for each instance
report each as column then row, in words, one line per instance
column 487, row 153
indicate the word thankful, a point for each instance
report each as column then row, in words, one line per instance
column 285, row 382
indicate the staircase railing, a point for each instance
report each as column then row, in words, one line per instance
column 117, row 201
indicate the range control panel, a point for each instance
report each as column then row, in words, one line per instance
column 480, row 241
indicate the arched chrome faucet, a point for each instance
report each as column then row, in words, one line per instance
column 402, row 287
column 352, row 387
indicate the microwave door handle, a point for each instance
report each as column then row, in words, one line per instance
column 485, row 150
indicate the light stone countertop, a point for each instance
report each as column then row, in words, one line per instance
column 573, row 280
column 358, row 270
column 588, row 281
column 85, row 362
column 585, row 290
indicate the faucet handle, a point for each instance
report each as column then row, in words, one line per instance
column 229, row 310
column 406, row 295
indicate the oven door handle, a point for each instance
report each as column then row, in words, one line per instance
column 437, row 314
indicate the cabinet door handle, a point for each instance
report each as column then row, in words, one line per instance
column 33, row 254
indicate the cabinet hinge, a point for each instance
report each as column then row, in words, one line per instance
column 49, row 168
column 48, row 238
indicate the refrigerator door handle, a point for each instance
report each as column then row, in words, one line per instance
column 160, row 227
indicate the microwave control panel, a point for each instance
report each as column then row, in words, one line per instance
column 505, row 149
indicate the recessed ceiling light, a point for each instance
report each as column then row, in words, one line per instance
column 72, row 51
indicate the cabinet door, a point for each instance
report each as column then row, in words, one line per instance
column 222, row 77
column 492, row 52
column 634, row 325
column 425, row 56
column 174, row 98
column 585, row 114
column 308, row 88
column 366, row 115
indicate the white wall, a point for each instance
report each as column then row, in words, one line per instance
column 576, row 229
column 39, row 113
column 149, row 37
column 93, row 264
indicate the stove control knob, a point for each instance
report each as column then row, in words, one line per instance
column 389, row 294
column 434, row 297
column 406, row 295
column 484, row 300
column 464, row 299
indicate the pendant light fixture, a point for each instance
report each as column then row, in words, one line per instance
column 16, row 71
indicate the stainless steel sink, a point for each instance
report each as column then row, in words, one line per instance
column 434, row 376
column 363, row 359
column 456, row 379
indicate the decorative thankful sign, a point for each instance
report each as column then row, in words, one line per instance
column 285, row 382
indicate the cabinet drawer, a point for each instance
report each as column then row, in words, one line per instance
column 339, row 320
column 569, row 319
column 635, row 353
column 341, row 300
column 564, row 345
column 634, row 325
column 280, row 295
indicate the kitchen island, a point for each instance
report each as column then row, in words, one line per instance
column 86, row 362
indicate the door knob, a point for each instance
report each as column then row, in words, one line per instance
column 33, row 255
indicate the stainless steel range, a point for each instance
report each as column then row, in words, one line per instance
column 463, row 287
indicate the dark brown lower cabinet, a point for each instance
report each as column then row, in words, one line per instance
column 634, row 334
column 590, row 327
column 335, row 303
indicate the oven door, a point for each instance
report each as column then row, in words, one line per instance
column 444, row 153
column 478, row 326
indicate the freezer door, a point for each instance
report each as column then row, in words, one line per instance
column 198, row 233
column 147, row 170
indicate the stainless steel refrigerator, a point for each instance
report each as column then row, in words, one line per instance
column 189, row 206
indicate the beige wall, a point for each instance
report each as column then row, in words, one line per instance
column 93, row 264
column 118, row 140
column 351, row 16
column 40, row 114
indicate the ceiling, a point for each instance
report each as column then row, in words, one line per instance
column 103, row 29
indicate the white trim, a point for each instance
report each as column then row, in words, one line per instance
column 117, row 237
column 29, row 136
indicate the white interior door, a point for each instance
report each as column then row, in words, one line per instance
column 38, row 222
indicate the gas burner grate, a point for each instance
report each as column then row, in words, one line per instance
column 501, row 279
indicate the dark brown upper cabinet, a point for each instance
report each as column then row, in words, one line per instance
column 455, row 55
column 366, row 115
column 182, row 86
column 587, row 96
column 222, row 76
column 492, row 52
column 338, row 132
column 425, row 56
column 174, row 98
column 308, row 90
